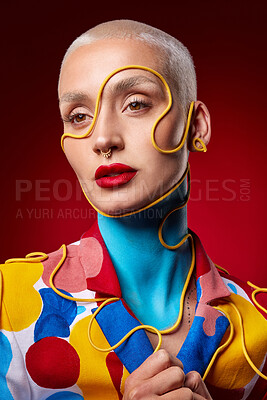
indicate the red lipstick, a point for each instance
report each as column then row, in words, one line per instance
column 114, row 175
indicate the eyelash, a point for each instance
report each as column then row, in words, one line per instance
column 70, row 118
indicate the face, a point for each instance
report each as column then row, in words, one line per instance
column 135, row 174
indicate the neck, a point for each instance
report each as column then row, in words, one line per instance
column 151, row 276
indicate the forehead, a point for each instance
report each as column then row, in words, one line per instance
column 91, row 64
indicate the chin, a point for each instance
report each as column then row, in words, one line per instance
column 118, row 208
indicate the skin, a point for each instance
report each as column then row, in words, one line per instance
column 124, row 125
column 126, row 131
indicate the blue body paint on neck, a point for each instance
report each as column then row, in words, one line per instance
column 151, row 277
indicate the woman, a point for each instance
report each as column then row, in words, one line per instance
column 84, row 321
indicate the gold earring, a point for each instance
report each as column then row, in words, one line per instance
column 107, row 154
column 203, row 147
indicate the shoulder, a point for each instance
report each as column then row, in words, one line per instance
column 242, row 359
column 245, row 290
column 74, row 264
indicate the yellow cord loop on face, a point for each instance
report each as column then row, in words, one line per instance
column 97, row 106
column 255, row 292
column 243, row 344
column 126, row 67
column 182, row 142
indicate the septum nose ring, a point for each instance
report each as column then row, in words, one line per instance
column 106, row 154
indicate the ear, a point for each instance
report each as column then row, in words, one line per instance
column 200, row 125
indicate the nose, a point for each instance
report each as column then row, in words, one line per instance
column 107, row 133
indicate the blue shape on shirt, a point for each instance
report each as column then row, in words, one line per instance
column 80, row 309
column 115, row 322
column 57, row 315
column 5, row 360
column 232, row 288
column 198, row 348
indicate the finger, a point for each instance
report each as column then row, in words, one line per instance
column 156, row 363
column 194, row 382
column 170, row 379
column 180, row 394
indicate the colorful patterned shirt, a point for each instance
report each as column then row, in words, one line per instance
column 44, row 348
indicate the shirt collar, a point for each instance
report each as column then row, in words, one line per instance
column 211, row 286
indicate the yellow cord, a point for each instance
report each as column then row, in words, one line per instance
column 172, row 211
column 107, row 300
column 243, row 344
column 203, row 147
column 35, row 257
column 222, row 269
column 146, row 327
column 39, row 256
column 221, row 348
column 190, row 272
column 255, row 292
column 88, row 133
column 97, row 107
column 191, row 108
column 51, row 278
column 1, row 290
column 145, row 207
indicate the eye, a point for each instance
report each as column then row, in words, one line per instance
column 137, row 105
column 78, row 118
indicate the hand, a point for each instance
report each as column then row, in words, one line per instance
column 161, row 376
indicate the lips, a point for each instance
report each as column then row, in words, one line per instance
column 114, row 175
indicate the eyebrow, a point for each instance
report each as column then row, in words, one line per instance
column 119, row 87
column 130, row 82
column 71, row 97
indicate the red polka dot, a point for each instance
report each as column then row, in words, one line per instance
column 53, row 363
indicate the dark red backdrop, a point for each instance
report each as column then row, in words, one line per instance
column 41, row 207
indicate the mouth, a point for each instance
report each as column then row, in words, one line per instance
column 114, row 175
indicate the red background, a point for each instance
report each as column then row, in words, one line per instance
column 228, row 43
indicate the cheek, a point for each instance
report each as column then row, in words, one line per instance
column 76, row 157
column 169, row 132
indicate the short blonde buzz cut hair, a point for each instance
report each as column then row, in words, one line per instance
column 175, row 60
